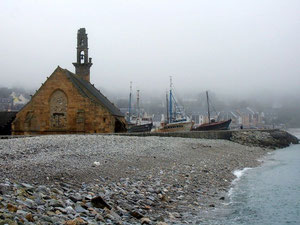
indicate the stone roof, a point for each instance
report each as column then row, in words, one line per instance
column 88, row 90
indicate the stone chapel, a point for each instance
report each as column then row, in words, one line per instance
column 68, row 103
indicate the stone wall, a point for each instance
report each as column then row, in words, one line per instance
column 57, row 107
column 261, row 138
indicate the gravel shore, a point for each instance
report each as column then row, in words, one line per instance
column 143, row 180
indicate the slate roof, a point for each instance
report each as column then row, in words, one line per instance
column 88, row 90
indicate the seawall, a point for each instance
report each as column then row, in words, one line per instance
column 271, row 138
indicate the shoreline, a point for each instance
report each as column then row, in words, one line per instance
column 154, row 178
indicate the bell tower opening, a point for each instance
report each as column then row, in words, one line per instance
column 82, row 57
column 83, row 63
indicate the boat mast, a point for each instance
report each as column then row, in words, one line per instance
column 129, row 106
column 170, row 102
column 167, row 101
column 138, row 105
column 208, row 106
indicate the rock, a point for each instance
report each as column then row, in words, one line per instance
column 76, row 221
column 47, row 218
column 88, row 197
column 12, row 208
column 114, row 215
column 60, row 209
column 68, row 202
column 39, row 201
column 70, row 210
column 171, row 216
column 75, row 198
column 92, row 212
column 266, row 139
column 161, row 223
column 136, row 214
column 8, row 222
column 147, row 207
column 56, row 191
column 51, row 213
column 4, row 189
column 21, row 212
column 177, row 215
column 27, row 186
column 29, row 217
column 151, row 190
column 43, row 189
column 96, row 163
column 98, row 217
column 30, row 203
column 145, row 220
column 98, row 202
column 55, row 203
column 80, row 209
column 123, row 211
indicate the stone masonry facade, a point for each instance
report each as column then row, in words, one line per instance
column 58, row 107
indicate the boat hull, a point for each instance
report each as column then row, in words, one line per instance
column 140, row 128
column 222, row 125
column 175, row 127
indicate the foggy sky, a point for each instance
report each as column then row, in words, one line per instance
column 231, row 47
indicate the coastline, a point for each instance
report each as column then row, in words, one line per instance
column 160, row 179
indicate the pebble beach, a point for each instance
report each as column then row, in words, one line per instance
column 107, row 179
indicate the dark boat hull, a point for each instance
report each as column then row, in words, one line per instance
column 140, row 128
column 222, row 125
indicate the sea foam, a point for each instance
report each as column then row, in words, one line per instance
column 238, row 174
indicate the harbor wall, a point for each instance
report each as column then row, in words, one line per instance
column 266, row 138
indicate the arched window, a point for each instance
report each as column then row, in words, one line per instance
column 58, row 110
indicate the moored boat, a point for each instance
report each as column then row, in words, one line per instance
column 212, row 124
column 176, row 118
column 140, row 128
column 221, row 125
column 140, row 123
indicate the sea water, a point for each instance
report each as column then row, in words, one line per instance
column 269, row 194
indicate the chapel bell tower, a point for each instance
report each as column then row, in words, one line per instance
column 84, row 63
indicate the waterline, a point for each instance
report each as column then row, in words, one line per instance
column 269, row 194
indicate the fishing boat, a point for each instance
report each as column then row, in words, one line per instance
column 138, row 123
column 212, row 124
column 142, row 123
column 177, row 120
